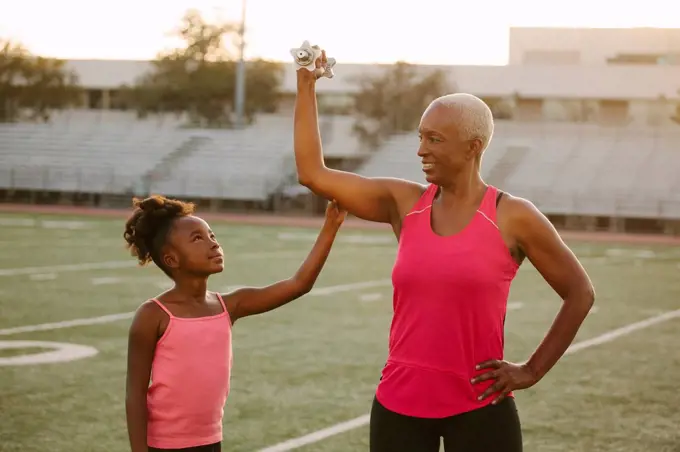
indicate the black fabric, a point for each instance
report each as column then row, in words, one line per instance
column 491, row 428
column 216, row 447
column 499, row 195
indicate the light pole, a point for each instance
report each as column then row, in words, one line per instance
column 240, row 94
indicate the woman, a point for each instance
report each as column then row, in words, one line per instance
column 461, row 242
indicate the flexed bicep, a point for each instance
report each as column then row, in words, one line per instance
column 374, row 199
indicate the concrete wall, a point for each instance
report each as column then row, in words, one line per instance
column 588, row 46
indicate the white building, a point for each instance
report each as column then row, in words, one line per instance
column 614, row 76
column 594, row 46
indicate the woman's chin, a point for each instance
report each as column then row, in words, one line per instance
column 431, row 178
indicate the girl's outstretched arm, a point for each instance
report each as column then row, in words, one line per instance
column 256, row 300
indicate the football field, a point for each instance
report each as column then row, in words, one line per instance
column 68, row 289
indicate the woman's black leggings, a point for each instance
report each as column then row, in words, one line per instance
column 491, row 428
column 217, row 447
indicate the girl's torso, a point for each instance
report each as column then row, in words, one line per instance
column 190, row 378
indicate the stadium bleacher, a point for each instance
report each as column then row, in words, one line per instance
column 113, row 152
column 568, row 168
column 103, row 152
column 563, row 167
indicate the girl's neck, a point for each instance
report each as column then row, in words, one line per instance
column 192, row 290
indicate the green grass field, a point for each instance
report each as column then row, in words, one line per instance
column 315, row 363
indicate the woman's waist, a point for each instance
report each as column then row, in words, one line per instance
column 447, row 353
column 415, row 390
column 455, row 363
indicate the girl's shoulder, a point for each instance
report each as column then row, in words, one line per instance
column 146, row 322
column 150, row 311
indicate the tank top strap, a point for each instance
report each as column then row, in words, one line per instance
column 219, row 297
column 425, row 200
column 488, row 206
column 160, row 305
column 430, row 194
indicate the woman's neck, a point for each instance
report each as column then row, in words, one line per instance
column 466, row 186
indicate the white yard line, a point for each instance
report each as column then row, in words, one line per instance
column 623, row 331
column 66, row 324
column 106, row 265
column 66, row 268
column 320, row 435
column 321, row 291
column 360, row 421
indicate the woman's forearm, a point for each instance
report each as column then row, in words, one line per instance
column 306, row 136
column 561, row 333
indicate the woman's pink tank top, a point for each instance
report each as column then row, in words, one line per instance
column 190, row 379
column 450, row 298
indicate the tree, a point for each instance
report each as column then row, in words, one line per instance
column 32, row 87
column 199, row 79
column 393, row 102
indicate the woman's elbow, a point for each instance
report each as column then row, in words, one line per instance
column 584, row 297
column 310, row 179
column 309, row 173
column 305, row 180
column 591, row 296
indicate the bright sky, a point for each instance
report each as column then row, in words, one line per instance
column 357, row 31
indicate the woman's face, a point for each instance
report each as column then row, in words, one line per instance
column 443, row 151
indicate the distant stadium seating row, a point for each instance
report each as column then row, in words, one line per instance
column 569, row 168
column 563, row 167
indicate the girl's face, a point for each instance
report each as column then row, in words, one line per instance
column 192, row 248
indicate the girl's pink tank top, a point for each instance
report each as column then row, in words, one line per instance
column 450, row 299
column 190, row 378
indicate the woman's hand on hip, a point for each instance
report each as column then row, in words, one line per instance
column 508, row 377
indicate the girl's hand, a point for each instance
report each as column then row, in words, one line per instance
column 335, row 215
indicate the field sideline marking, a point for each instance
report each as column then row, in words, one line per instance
column 108, row 265
column 360, row 421
column 321, row 291
column 66, row 324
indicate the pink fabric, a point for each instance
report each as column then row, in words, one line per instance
column 450, row 299
column 190, row 381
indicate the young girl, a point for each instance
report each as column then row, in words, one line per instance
column 181, row 340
